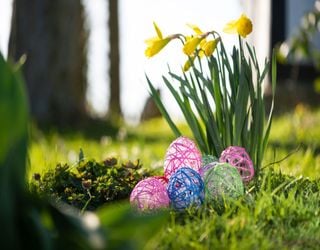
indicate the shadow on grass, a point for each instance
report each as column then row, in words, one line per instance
column 96, row 129
column 90, row 128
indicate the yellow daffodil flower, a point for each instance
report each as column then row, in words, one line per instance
column 242, row 26
column 156, row 44
column 210, row 46
column 191, row 45
column 188, row 63
column 193, row 41
column 159, row 33
column 196, row 29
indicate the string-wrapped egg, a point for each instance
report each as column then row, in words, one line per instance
column 223, row 182
column 239, row 158
column 185, row 189
column 204, row 169
column 149, row 194
column 181, row 152
column 206, row 159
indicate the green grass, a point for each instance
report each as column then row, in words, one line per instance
column 297, row 133
column 283, row 213
column 280, row 211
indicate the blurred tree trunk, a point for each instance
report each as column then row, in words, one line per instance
column 51, row 34
column 114, row 73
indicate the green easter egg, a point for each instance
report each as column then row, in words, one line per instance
column 206, row 159
column 223, row 182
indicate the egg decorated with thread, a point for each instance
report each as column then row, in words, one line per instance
column 239, row 158
column 206, row 159
column 204, row 169
column 149, row 194
column 185, row 189
column 181, row 152
column 223, row 182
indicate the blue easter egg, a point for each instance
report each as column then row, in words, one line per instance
column 185, row 188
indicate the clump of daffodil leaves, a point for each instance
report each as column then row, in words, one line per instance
column 220, row 95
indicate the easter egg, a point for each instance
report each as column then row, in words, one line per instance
column 239, row 158
column 162, row 179
column 223, row 182
column 181, row 152
column 149, row 194
column 185, row 189
column 203, row 170
column 206, row 159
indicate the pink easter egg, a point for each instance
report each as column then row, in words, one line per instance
column 163, row 180
column 149, row 194
column 182, row 152
column 239, row 158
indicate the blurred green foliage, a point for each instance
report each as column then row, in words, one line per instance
column 301, row 45
column 126, row 229
column 30, row 222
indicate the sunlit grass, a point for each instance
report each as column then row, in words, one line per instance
column 295, row 133
column 281, row 210
column 147, row 142
column 283, row 220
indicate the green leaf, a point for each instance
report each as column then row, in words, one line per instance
column 273, row 82
column 208, row 119
column 13, row 107
column 264, row 72
column 241, row 106
column 217, row 96
column 162, row 109
column 274, row 73
column 253, row 57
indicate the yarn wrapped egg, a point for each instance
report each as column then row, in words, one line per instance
column 239, row 158
column 206, row 159
column 149, row 194
column 181, row 152
column 203, row 170
column 162, row 179
column 185, row 188
column 223, row 182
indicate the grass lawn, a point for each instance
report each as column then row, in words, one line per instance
column 280, row 211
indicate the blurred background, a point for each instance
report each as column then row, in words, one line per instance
column 85, row 59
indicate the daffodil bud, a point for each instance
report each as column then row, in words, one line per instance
column 188, row 63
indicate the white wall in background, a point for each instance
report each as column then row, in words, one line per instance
column 260, row 13
column 5, row 24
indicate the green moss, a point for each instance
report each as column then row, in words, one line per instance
column 89, row 184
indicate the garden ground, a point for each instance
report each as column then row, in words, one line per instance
column 280, row 211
